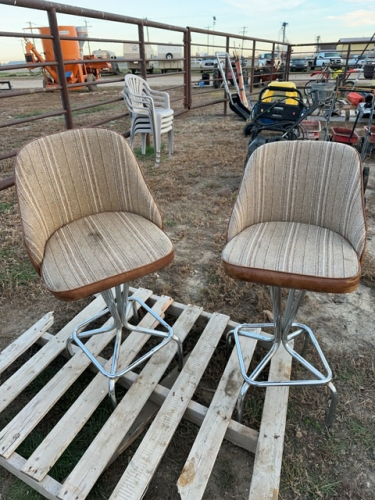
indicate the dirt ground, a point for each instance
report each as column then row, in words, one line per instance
column 195, row 190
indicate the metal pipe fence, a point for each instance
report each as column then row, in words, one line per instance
column 186, row 92
column 193, row 84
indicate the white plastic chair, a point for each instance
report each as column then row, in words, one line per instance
column 150, row 112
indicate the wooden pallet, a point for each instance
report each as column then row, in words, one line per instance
column 146, row 400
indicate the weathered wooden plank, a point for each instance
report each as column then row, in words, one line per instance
column 48, row 487
column 25, row 421
column 236, row 433
column 71, row 423
column 198, row 467
column 78, row 414
column 15, row 384
column 146, row 415
column 269, row 452
column 24, row 341
column 141, row 468
column 99, row 453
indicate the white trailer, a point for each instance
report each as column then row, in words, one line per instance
column 169, row 52
column 131, row 51
column 165, row 58
column 170, row 58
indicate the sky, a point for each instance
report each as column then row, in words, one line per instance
column 306, row 19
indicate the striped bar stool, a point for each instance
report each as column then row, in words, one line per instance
column 91, row 226
column 298, row 223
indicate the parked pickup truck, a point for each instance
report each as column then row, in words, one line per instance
column 329, row 57
column 267, row 58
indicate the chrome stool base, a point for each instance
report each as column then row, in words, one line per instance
column 281, row 339
column 121, row 308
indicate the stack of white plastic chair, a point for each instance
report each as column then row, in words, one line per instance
column 150, row 112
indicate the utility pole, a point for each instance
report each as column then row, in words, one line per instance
column 148, row 35
column 31, row 29
column 317, row 43
column 213, row 29
column 243, row 33
column 208, row 37
column 283, row 27
column 87, row 27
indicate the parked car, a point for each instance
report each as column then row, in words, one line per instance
column 208, row 63
column 331, row 58
column 298, row 65
column 359, row 61
column 195, row 62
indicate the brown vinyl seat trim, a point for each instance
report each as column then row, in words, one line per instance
column 293, row 281
column 100, row 286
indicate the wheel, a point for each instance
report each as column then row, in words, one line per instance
column 308, row 93
column 91, row 78
column 169, row 56
column 216, row 78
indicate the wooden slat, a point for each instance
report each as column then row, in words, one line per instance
column 236, row 433
column 24, row 341
column 99, row 453
column 201, row 460
column 269, row 452
column 78, row 414
column 15, row 384
column 48, row 487
column 141, row 468
column 123, row 424
column 25, row 421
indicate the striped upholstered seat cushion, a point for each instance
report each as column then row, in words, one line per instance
column 299, row 218
column 103, row 250
column 294, row 255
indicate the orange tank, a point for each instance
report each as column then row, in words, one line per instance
column 70, row 48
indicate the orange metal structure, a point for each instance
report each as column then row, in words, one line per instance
column 74, row 72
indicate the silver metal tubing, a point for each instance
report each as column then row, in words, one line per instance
column 77, row 334
column 112, row 391
column 333, row 405
column 121, row 308
column 241, row 329
column 240, row 401
column 281, row 339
